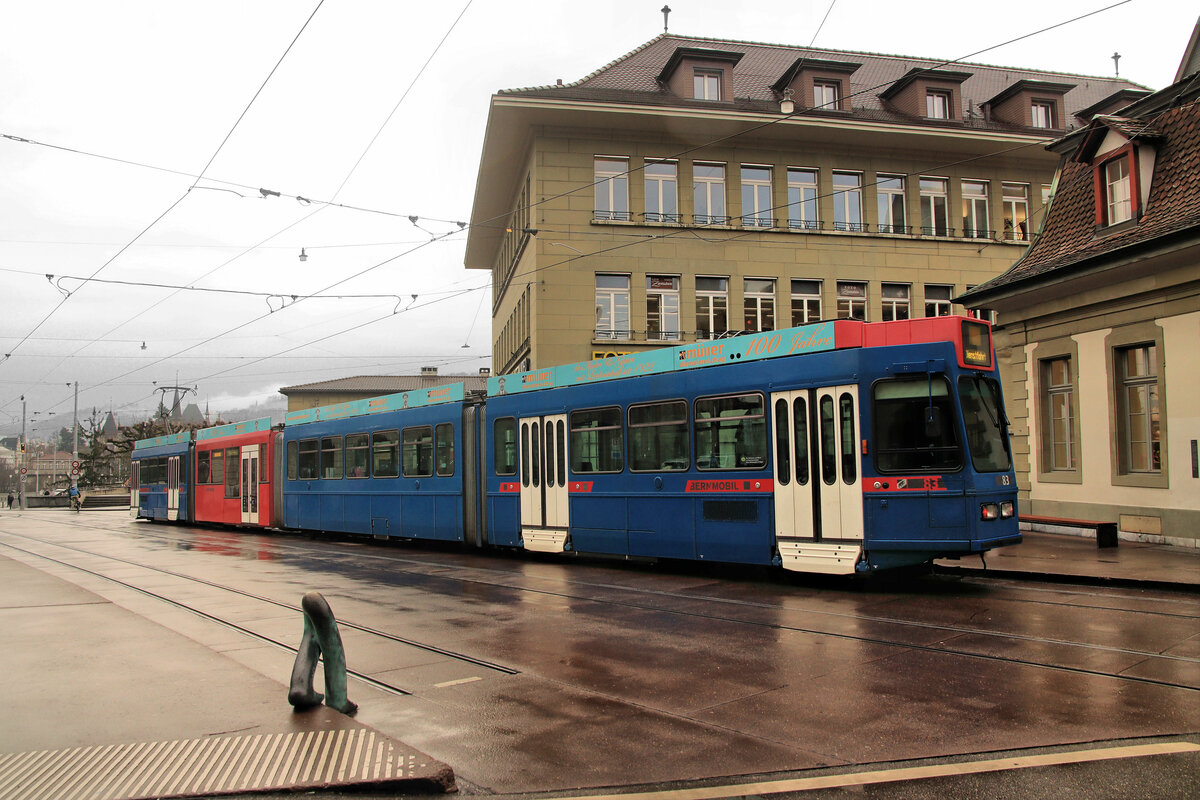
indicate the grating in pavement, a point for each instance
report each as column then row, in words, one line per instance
column 214, row 765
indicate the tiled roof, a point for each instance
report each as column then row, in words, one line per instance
column 632, row 78
column 1069, row 237
column 385, row 384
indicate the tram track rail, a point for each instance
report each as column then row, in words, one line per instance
column 645, row 605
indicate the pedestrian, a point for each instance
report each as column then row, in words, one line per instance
column 10, row 500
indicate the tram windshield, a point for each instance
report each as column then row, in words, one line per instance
column 986, row 426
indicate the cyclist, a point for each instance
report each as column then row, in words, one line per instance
column 73, row 493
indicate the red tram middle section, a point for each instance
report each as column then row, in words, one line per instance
column 235, row 484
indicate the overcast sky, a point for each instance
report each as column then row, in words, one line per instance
column 163, row 84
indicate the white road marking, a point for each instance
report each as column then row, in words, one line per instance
column 457, row 682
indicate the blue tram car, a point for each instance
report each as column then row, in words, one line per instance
column 160, row 480
column 835, row 448
column 388, row 467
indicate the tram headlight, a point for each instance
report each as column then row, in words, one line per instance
column 989, row 511
column 1006, row 509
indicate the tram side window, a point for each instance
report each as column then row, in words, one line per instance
column 416, row 452
column 216, row 473
column 849, row 440
column 444, row 444
column 658, row 437
column 903, row 441
column 233, row 463
column 293, row 460
column 731, row 432
column 597, row 443
column 385, row 461
column 309, row 454
column 504, row 457
column 203, row 462
column 331, row 458
column 358, row 446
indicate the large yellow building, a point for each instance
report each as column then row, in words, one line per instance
column 697, row 188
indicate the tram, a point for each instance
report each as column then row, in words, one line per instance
column 839, row 447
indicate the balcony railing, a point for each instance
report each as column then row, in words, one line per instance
column 612, row 333
column 856, row 227
column 658, row 216
column 758, row 222
column 804, row 224
column 615, row 215
column 710, row 219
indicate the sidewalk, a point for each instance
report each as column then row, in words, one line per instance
column 100, row 702
column 1056, row 555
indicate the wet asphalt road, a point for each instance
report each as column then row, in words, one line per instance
column 532, row 675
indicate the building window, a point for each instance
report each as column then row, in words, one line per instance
column 1057, row 416
column 1117, row 202
column 662, row 308
column 891, row 203
column 895, row 301
column 935, row 217
column 1043, row 114
column 975, row 210
column 706, row 85
column 756, row 197
column 806, row 302
column 708, row 195
column 847, row 201
column 612, row 306
column 662, row 199
column 827, row 95
column 937, row 105
column 612, row 188
column 802, row 199
column 1016, row 211
column 758, row 301
column 851, row 300
column 1138, row 421
column 712, row 303
column 937, row 300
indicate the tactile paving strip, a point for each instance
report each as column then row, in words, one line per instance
column 214, row 765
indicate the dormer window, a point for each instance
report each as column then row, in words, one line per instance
column 823, row 80
column 700, row 73
column 937, row 104
column 1118, row 202
column 706, row 85
column 1043, row 114
column 827, row 95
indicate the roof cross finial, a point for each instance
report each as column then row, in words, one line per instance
column 666, row 12
column 1116, row 57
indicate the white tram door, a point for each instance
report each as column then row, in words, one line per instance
column 818, row 483
column 135, row 475
column 544, row 495
column 249, row 487
column 173, row 488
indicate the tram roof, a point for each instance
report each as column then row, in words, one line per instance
column 815, row 338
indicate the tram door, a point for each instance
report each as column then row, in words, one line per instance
column 544, row 496
column 173, row 487
column 135, row 476
column 249, row 487
column 818, row 483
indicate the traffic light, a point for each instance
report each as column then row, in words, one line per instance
column 22, row 448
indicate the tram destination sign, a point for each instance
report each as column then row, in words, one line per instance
column 813, row 338
column 450, row 393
